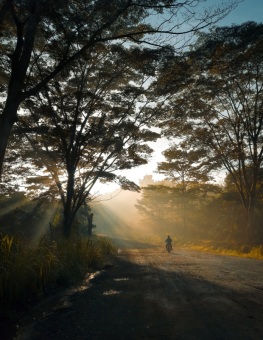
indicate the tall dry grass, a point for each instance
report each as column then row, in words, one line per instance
column 226, row 248
column 27, row 271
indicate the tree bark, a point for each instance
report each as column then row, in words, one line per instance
column 69, row 213
column 250, row 223
column 90, row 224
column 7, row 120
column 67, row 223
column 4, row 7
column 20, row 60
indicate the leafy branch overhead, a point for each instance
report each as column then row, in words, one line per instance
column 40, row 39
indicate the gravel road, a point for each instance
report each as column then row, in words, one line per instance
column 146, row 293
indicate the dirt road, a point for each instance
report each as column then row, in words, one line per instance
column 149, row 294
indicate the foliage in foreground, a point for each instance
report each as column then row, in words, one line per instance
column 27, row 271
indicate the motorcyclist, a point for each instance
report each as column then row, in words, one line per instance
column 168, row 241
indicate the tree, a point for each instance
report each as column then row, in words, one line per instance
column 96, row 116
column 39, row 38
column 157, row 204
column 219, row 105
column 184, row 167
column 161, row 203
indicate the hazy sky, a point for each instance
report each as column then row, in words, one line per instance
column 247, row 10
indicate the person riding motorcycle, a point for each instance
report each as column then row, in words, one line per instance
column 168, row 242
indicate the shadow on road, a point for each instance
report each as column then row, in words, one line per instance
column 151, row 296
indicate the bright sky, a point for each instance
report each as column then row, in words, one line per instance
column 247, row 10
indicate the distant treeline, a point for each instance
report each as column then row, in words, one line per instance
column 198, row 210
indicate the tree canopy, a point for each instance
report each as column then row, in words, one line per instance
column 97, row 117
column 39, row 38
column 217, row 103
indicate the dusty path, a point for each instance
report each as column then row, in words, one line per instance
column 150, row 294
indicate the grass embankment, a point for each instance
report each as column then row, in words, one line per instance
column 27, row 271
column 226, row 248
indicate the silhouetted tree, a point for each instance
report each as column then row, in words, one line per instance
column 40, row 38
column 89, row 124
column 184, row 167
column 217, row 105
column 162, row 205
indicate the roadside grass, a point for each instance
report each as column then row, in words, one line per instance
column 29, row 271
column 225, row 248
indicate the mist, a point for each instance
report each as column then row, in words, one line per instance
column 117, row 217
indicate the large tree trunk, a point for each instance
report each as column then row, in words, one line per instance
column 250, row 223
column 7, row 120
column 4, row 7
column 184, row 209
column 67, row 223
column 69, row 214
column 20, row 60
column 249, row 204
column 90, row 224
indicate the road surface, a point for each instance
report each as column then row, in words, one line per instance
column 147, row 293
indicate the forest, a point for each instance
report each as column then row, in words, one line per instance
column 86, row 85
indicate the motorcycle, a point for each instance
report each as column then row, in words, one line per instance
column 169, row 247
